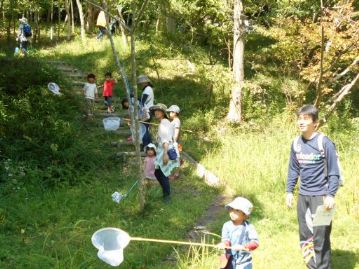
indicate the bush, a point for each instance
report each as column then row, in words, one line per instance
column 36, row 127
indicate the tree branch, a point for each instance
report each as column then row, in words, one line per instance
column 319, row 84
column 109, row 14
column 140, row 13
column 345, row 90
column 340, row 75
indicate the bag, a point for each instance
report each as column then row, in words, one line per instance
column 27, row 30
column 172, row 153
column 296, row 148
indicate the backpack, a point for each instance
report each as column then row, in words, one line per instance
column 296, row 148
column 27, row 30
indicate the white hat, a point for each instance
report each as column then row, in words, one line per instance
column 174, row 108
column 143, row 79
column 152, row 146
column 241, row 204
column 23, row 20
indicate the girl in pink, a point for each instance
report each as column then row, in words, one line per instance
column 149, row 163
column 107, row 91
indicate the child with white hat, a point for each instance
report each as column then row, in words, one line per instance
column 174, row 111
column 149, row 162
column 240, row 235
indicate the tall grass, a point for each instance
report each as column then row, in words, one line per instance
column 254, row 164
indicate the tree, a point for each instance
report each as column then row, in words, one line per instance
column 82, row 21
column 235, row 110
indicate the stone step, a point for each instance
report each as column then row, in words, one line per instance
column 128, row 154
column 123, row 132
column 78, row 83
column 76, row 75
column 114, row 114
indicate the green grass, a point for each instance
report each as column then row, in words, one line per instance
column 50, row 226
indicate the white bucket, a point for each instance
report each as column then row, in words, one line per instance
column 110, row 243
column 111, row 123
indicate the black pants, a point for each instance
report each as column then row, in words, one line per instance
column 315, row 243
column 164, row 182
column 146, row 139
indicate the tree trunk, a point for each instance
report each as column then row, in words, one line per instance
column 37, row 26
column 2, row 13
column 67, row 20
column 170, row 24
column 235, row 109
column 90, row 24
column 51, row 20
column 122, row 29
column 134, row 113
column 59, row 22
column 82, row 21
column 72, row 17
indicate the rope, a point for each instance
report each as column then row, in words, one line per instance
column 156, row 124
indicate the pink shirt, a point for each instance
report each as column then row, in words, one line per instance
column 107, row 87
column 149, row 167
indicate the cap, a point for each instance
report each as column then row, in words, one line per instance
column 174, row 108
column 241, row 204
column 151, row 146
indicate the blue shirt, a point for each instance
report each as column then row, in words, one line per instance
column 233, row 233
column 309, row 165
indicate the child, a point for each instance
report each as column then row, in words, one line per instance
column 90, row 92
column 149, row 162
column 240, row 235
column 174, row 111
column 108, row 91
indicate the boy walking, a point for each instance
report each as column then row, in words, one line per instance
column 90, row 92
column 319, row 181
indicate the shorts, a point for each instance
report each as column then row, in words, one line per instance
column 108, row 100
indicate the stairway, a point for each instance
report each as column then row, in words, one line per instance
column 78, row 78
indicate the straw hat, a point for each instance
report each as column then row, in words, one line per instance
column 23, row 20
column 143, row 79
column 160, row 107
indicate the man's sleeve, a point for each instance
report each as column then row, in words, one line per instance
column 332, row 167
column 293, row 171
column 144, row 99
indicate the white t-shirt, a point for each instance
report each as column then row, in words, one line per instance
column 176, row 123
column 165, row 132
column 90, row 90
column 149, row 101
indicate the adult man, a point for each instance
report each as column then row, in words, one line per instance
column 319, row 181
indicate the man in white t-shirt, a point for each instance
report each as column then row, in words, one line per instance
column 147, row 101
column 90, row 92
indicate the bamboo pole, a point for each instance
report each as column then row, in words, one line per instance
column 173, row 242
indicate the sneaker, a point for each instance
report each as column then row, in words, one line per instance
column 167, row 199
